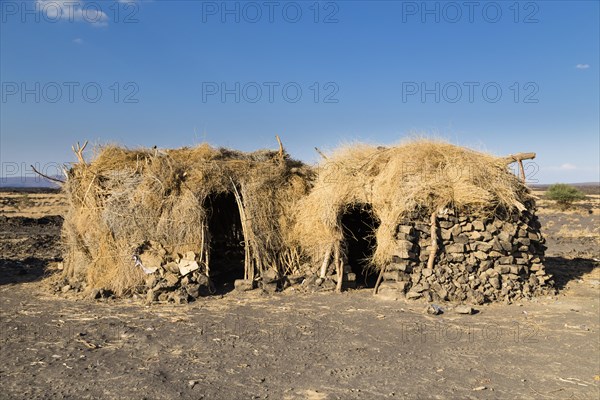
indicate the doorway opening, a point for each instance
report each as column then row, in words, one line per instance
column 226, row 241
column 359, row 226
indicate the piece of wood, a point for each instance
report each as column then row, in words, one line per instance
column 339, row 268
column 326, row 262
column 434, row 241
column 205, row 248
column 65, row 171
column 248, row 267
column 46, row 176
column 511, row 158
column 281, row 151
column 379, row 279
column 257, row 264
column 321, row 153
column 79, row 151
column 521, row 170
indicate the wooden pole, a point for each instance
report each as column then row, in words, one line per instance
column 522, row 170
column 203, row 258
column 326, row 262
column 248, row 267
column 434, row 241
column 339, row 268
column 379, row 279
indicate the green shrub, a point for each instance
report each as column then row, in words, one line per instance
column 564, row 194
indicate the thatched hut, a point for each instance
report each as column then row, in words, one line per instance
column 423, row 219
column 426, row 218
column 172, row 222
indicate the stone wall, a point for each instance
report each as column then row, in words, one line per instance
column 478, row 259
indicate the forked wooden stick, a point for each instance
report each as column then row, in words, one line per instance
column 518, row 158
column 79, row 151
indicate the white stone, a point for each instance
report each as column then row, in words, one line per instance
column 186, row 266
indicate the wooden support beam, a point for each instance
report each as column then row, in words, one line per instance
column 434, row 240
column 379, row 279
column 326, row 262
column 521, row 170
column 248, row 265
column 511, row 158
column 339, row 265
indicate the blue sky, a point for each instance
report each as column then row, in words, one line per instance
column 501, row 76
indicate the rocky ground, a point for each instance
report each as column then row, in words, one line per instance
column 297, row 346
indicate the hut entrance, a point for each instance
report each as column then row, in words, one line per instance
column 359, row 224
column 226, row 241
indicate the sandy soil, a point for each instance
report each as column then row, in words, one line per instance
column 296, row 346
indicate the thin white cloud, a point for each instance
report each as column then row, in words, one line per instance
column 582, row 66
column 72, row 11
column 78, row 41
column 563, row 167
column 567, row 167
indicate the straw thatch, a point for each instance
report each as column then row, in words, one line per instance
column 156, row 208
column 419, row 175
column 126, row 200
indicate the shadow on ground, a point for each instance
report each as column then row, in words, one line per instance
column 565, row 270
column 27, row 247
column 22, row 271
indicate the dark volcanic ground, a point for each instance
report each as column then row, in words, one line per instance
column 291, row 345
column 27, row 245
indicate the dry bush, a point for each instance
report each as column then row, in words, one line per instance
column 564, row 195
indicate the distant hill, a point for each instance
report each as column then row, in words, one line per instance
column 28, row 182
column 585, row 187
column 41, row 183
